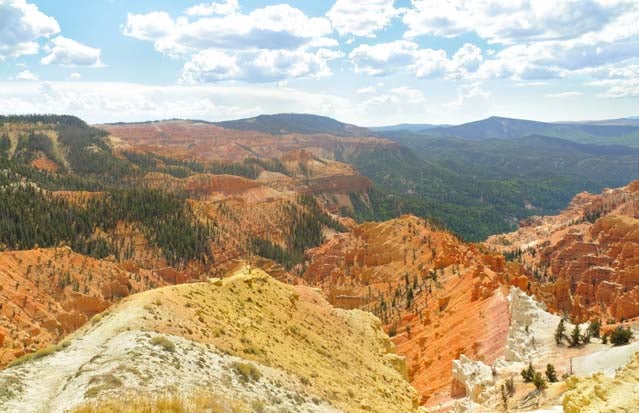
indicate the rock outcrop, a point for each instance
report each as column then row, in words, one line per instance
column 439, row 297
column 583, row 261
column 601, row 394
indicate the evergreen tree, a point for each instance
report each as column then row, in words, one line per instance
column 539, row 381
column 560, row 331
column 575, row 336
column 551, row 374
column 528, row 373
column 594, row 328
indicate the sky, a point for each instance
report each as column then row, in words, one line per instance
column 368, row 62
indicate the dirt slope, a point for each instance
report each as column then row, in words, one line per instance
column 214, row 336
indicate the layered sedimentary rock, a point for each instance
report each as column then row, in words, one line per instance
column 48, row 293
column 584, row 261
column 439, row 297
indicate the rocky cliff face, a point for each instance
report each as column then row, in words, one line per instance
column 197, row 140
column 439, row 298
column 583, row 261
column 47, row 293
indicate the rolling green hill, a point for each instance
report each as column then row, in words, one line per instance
column 505, row 128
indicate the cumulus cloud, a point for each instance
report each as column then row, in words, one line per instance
column 473, row 92
column 75, row 76
column 257, row 66
column 271, row 27
column 68, row 52
column 542, row 39
column 113, row 102
column 208, row 9
column 514, row 21
column 618, row 81
column 26, row 75
column 150, row 26
column 362, row 17
column 386, row 58
column 21, row 26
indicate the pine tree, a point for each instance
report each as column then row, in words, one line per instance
column 594, row 328
column 539, row 381
column 560, row 331
column 575, row 337
column 551, row 374
column 528, row 373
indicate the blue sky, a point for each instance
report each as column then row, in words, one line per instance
column 369, row 62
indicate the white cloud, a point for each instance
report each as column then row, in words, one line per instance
column 386, row 58
column 75, row 76
column 543, row 39
column 362, row 17
column 366, row 90
column 618, row 82
column 68, row 52
column 208, row 9
column 113, row 102
column 473, row 92
column 257, row 66
column 271, row 27
column 618, row 88
column 26, row 75
column 514, row 21
column 150, row 26
column 563, row 95
column 21, row 26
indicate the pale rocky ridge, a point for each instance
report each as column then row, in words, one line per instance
column 310, row 357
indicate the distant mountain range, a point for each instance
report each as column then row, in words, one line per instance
column 409, row 127
column 623, row 131
column 295, row 123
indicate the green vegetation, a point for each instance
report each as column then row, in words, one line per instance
column 47, row 351
column 575, row 336
column 304, row 231
column 247, row 371
column 551, row 373
column 30, row 217
column 620, row 336
column 539, row 381
column 528, row 374
column 594, row 328
column 165, row 343
column 560, row 332
column 482, row 187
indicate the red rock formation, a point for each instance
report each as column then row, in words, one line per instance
column 48, row 293
column 457, row 305
column 584, row 261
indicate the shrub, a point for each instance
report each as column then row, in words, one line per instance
column 165, row 343
column 528, row 373
column 247, row 371
column 539, row 381
column 47, row 351
column 620, row 336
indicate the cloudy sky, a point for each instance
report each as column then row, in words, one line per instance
column 370, row 62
